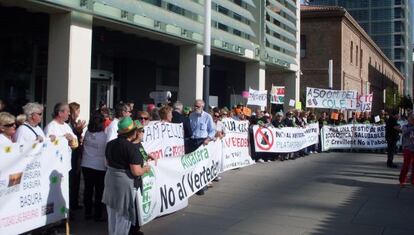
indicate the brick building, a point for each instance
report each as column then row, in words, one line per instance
column 358, row 63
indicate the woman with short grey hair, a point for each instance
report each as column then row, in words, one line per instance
column 30, row 130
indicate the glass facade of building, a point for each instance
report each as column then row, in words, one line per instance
column 259, row 30
column 388, row 22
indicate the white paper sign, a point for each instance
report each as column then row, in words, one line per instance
column 330, row 99
column 258, row 98
column 160, row 96
column 377, row 118
column 292, row 103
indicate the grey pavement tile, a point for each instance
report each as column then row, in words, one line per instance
column 256, row 227
column 324, row 194
column 380, row 216
column 397, row 231
column 344, row 229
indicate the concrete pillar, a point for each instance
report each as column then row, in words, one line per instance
column 191, row 74
column 255, row 76
column 69, row 61
column 292, row 88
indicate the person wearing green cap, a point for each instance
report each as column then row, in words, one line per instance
column 125, row 165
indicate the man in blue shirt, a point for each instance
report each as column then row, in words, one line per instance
column 202, row 126
column 203, row 129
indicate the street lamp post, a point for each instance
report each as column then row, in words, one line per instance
column 207, row 53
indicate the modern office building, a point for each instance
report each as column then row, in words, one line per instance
column 388, row 22
column 331, row 33
column 103, row 51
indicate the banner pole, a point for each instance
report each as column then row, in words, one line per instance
column 67, row 226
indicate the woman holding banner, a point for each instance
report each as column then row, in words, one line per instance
column 122, row 180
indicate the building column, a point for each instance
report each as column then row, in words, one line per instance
column 292, row 88
column 69, row 61
column 255, row 76
column 190, row 74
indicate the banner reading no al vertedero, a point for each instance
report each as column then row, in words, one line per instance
column 357, row 136
column 330, row 99
column 169, row 184
column 33, row 185
column 286, row 139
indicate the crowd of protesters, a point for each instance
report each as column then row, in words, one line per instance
column 109, row 154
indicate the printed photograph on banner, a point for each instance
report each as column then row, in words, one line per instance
column 277, row 95
column 331, row 99
column 14, row 179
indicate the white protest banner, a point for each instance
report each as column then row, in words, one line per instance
column 169, row 184
column 357, row 136
column 364, row 103
column 160, row 96
column 235, row 145
column 286, row 139
column 258, row 98
column 34, row 189
column 330, row 99
column 163, row 139
column 277, row 95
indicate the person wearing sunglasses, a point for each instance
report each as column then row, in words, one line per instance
column 30, row 130
column 7, row 128
column 143, row 117
column 121, row 110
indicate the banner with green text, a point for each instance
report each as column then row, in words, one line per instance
column 169, row 184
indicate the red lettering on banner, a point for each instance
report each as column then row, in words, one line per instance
column 19, row 218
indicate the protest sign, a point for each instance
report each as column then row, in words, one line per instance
column 163, row 139
column 364, row 103
column 160, row 97
column 292, row 103
column 235, row 144
column 298, row 105
column 286, row 139
column 258, row 98
column 277, row 95
column 169, row 184
column 330, row 99
column 33, row 185
column 357, row 136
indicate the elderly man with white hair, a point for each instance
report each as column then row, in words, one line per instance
column 30, row 130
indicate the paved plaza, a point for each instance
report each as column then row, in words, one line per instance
column 321, row 194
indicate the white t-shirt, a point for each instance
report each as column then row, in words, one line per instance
column 4, row 140
column 57, row 129
column 94, row 150
column 219, row 126
column 24, row 134
column 112, row 130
